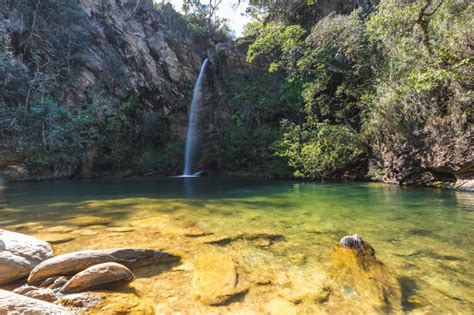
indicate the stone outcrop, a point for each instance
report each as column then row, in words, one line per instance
column 355, row 267
column 72, row 263
column 440, row 159
column 97, row 276
column 19, row 254
column 12, row 303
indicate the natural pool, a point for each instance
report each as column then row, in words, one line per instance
column 281, row 233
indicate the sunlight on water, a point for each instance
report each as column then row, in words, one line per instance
column 424, row 236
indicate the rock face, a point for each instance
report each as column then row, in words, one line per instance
column 215, row 279
column 125, row 51
column 442, row 160
column 96, row 276
column 355, row 267
column 72, row 263
column 11, row 303
column 19, row 254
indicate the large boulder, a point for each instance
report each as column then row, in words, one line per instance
column 97, row 276
column 12, row 303
column 215, row 279
column 72, row 263
column 19, row 254
column 355, row 268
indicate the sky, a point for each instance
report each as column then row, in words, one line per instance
column 230, row 10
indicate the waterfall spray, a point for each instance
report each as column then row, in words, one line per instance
column 191, row 137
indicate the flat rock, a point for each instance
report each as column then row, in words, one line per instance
column 12, row 303
column 56, row 238
column 72, row 263
column 97, row 276
column 215, row 279
column 19, row 254
column 121, row 229
column 90, row 220
column 61, row 229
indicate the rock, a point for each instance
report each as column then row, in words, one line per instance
column 97, row 276
column 72, row 263
column 215, row 279
column 12, row 303
column 81, row 300
column 19, row 254
column 90, row 220
column 24, row 289
column 258, row 238
column 354, row 266
column 42, row 294
column 61, row 229
column 16, row 172
column 54, row 283
column 121, row 229
column 56, row 238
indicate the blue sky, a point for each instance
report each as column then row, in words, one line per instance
column 230, row 10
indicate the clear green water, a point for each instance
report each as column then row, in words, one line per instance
column 425, row 236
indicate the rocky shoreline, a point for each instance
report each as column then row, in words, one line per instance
column 34, row 280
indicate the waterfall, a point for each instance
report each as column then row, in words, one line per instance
column 192, row 124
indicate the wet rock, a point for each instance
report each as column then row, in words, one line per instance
column 90, row 220
column 72, row 263
column 97, row 276
column 259, row 238
column 60, row 229
column 12, row 303
column 215, row 279
column 355, row 268
column 56, row 238
column 19, row 254
column 42, row 294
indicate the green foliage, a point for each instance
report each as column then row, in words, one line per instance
column 319, row 150
column 168, row 160
column 400, row 74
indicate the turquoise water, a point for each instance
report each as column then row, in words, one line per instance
column 425, row 236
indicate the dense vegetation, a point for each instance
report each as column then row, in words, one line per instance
column 398, row 75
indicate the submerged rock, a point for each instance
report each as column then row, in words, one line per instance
column 56, row 238
column 96, row 276
column 12, row 303
column 19, row 254
column 355, row 267
column 90, row 220
column 215, row 279
column 72, row 263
